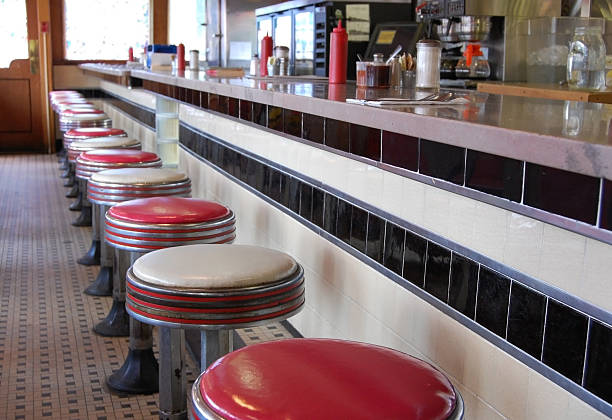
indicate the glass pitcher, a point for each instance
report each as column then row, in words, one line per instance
column 586, row 61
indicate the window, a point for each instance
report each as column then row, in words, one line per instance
column 104, row 30
column 13, row 31
column 185, row 19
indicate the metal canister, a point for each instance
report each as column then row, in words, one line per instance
column 396, row 72
column 283, row 66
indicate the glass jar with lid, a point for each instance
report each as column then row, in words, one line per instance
column 586, row 61
column 428, row 63
column 377, row 72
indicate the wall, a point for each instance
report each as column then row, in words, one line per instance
column 71, row 77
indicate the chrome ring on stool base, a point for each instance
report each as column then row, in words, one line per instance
column 223, row 288
column 374, row 383
column 135, row 183
column 140, row 226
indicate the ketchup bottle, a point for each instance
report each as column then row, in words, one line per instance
column 266, row 51
column 130, row 54
column 180, row 57
column 338, row 54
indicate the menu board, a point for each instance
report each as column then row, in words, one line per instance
column 358, row 22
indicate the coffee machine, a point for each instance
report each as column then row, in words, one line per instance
column 494, row 24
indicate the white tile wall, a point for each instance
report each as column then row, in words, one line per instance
column 347, row 299
column 520, row 242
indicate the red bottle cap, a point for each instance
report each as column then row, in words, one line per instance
column 339, row 28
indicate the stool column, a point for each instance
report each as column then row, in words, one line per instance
column 172, row 387
column 214, row 345
column 84, row 218
column 78, row 203
column 74, row 190
column 103, row 284
column 139, row 374
column 92, row 257
column 116, row 323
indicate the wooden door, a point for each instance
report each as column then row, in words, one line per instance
column 21, row 122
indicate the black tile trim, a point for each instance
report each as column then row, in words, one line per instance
column 535, row 364
column 136, row 111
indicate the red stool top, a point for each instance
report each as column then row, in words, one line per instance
column 95, row 132
column 325, row 379
column 168, row 210
column 119, row 156
column 82, row 111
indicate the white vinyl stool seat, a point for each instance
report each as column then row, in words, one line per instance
column 77, row 147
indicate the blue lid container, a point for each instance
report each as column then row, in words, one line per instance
column 161, row 48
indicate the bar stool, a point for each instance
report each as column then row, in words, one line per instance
column 323, row 379
column 80, row 146
column 113, row 186
column 77, row 134
column 214, row 288
column 138, row 227
column 60, row 107
column 98, row 160
column 74, row 118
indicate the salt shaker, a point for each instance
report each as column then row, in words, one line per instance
column 194, row 60
column 254, row 68
column 428, row 63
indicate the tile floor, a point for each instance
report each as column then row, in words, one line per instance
column 51, row 363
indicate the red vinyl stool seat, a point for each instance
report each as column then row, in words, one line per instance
column 214, row 288
column 109, row 187
column 323, row 379
column 94, row 161
column 139, row 226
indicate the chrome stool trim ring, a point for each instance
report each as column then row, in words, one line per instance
column 122, row 225
column 294, row 277
column 185, row 326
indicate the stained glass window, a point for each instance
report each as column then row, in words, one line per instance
column 13, row 31
column 104, row 30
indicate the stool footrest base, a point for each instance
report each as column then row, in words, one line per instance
column 77, row 204
column 103, row 284
column 73, row 192
column 138, row 375
column 84, row 218
column 92, row 257
column 116, row 323
column 66, row 173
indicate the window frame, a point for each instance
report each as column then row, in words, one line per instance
column 158, row 31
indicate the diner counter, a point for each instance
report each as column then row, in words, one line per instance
column 392, row 220
column 572, row 136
